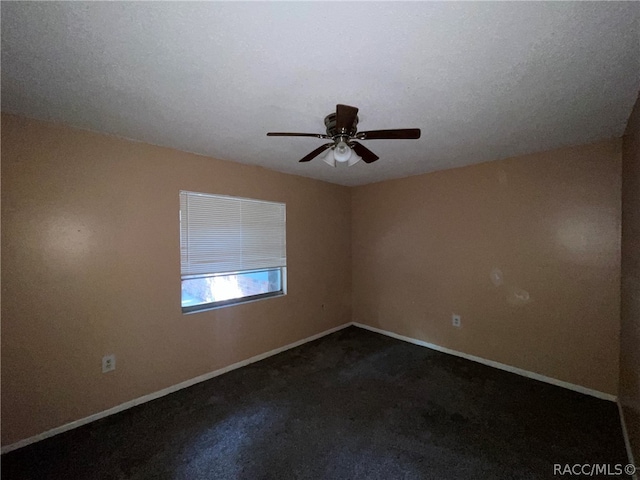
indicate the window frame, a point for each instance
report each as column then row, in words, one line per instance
column 190, row 309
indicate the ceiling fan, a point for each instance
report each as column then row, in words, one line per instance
column 343, row 133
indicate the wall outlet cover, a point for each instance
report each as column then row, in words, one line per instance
column 108, row 363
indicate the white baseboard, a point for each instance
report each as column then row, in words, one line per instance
column 162, row 393
column 627, row 443
column 491, row 363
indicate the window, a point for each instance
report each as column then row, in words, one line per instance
column 232, row 250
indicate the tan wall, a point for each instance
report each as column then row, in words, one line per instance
column 91, row 266
column 630, row 314
column 425, row 247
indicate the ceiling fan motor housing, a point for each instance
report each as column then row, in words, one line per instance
column 330, row 123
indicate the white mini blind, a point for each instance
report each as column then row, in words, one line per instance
column 220, row 234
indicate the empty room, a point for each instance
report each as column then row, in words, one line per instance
column 320, row 240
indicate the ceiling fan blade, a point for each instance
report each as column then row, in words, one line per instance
column 287, row 134
column 399, row 134
column 316, row 152
column 367, row 155
column 345, row 116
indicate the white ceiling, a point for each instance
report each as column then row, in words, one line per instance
column 482, row 80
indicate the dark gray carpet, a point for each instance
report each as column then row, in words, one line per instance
column 354, row 404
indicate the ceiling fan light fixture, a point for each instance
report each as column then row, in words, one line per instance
column 342, row 152
column 329, row 159
column 355, row 158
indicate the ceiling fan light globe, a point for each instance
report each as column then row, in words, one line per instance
column 342, row 152
column 355, row 158
column 329, row 158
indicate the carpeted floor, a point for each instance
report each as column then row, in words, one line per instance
column 351, row 405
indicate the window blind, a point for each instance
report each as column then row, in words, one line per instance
column 220, row 234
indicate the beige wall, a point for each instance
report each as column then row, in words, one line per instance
column 630, row 333
column 546, row 225
column 91, row 266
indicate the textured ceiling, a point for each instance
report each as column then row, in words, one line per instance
column 482, row 80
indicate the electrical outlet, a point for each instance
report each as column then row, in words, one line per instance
column 455, row 320
column 108, row 363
